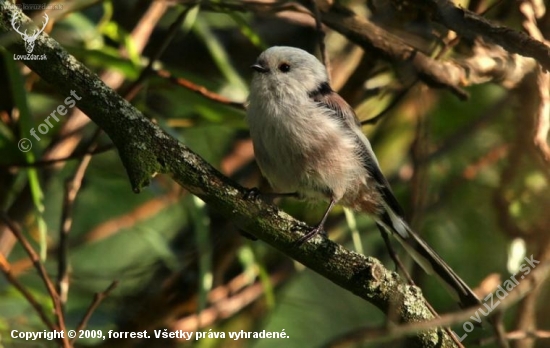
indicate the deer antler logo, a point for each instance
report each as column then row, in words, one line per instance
column 29, row 39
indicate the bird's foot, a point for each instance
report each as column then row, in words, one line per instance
column 315, row 231
column 253, row 194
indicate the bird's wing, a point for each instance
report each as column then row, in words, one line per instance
column 344, row 112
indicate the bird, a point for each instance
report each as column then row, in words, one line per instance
column 308, row 143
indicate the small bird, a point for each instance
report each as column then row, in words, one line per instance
column 308, row 143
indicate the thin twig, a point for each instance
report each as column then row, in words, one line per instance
column 398, row 98
column 395, row 258
column 146, row 72
column 98, row 298
column 6, row 269
column 135, row 87
column 500, row 330
column 226, row 300
column 42, row 273
column 542, row 117
column 484, row 118
column 72, row 186
column 321, row 36
column 516, row 336
column 44, row 163
column 519, row 335
column 542, row 121
column 199, row 89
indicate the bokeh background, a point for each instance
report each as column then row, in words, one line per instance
column 466, row 170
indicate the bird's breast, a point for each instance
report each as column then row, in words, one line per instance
column 299, row 148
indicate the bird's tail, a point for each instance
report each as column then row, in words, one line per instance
column 426, row 257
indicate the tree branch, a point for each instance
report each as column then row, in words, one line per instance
column 471, row 25
column 489, row 62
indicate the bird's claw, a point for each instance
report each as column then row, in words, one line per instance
column 253, row 194
column 315, row 231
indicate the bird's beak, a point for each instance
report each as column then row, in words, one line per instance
column 259, row 68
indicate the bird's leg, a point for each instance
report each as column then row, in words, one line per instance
column 320, row 227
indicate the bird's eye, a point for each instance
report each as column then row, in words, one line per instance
column 284, row 67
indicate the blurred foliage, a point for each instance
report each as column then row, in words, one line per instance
column 452, row 164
